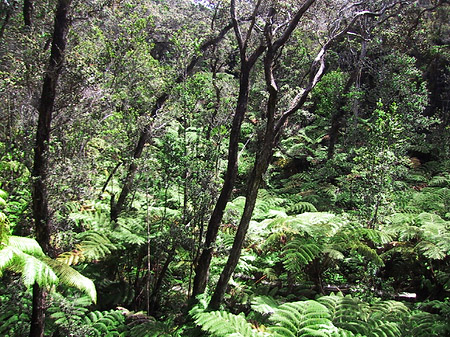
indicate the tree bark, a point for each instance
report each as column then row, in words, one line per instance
column 247, row 63
column 28, row 13
column 41, row 213
column 259, row 168
column 273, row 131
column 204, row 261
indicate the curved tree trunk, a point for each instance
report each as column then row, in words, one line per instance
column 256, row 178
column 41, row 213
column 204, row 261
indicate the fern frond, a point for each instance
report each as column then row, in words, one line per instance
column 72, row 278
column 32, row 269
column 379, row 328
column 424, row 324
column 377, row 236
column 152, row 328
column 431, row 250
column 304, row 318
column 440, row 180
column 265, row 305
column 222, row 323
column 107, row 323
column 299, row 252
column 369, row 253
column 389, row 310
column 301, row 207
column 93, row 246
column 26, row 245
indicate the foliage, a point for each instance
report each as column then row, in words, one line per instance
column 372, row 220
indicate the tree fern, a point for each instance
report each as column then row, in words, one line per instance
column 424, row 324
column 67, row 314
column 430, row 232
column 31, row 268
column 384, row 318
column 106, row 323
column 301, row 207
column 265, row 305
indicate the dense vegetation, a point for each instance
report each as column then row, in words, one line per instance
column 224, row 168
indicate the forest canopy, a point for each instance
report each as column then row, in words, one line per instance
column 224, row 168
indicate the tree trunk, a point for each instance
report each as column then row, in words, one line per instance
column 247, row 63
column 154, row 299
column 38, row 313
column 39, row 174
column 259, row 168
column 5, row 22
column 117, row 208
column 28, row 13
column 204, row 261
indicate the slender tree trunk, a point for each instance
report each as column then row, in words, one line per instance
column 204, row 261
column 118, row 207
column 40, row 198
column 247, row 63
column 5, row 22
column 338, row 116
column 259, row 168
column 154, row 299
column 28, row 12
column 254, row 184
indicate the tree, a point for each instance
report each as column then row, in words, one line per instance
column 28, row 12
column 248, row 60
column 272, row 130
column 41, row 212
column 144, row 135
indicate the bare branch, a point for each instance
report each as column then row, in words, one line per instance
column 237, row 30
column 252, row 24
column 318, row 67
column 293, row 24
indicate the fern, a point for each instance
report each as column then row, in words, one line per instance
column 31, row 268
column 106, row 323
column 305, row 318
column 222, row 323
column 301, row 207
column 384, row 318
column 68, row 314
column 72, row 278
column 93, row 246
column 424, row 324
column 430, row 232
column 299, row 252
column 265, row 305
column 15, row 309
